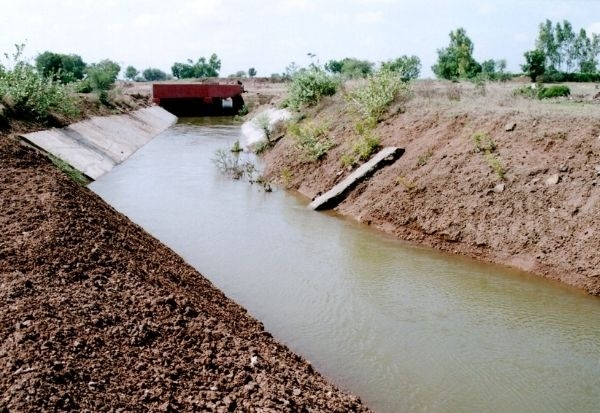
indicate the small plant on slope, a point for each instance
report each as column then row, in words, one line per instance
column 309, row 86
column 372, row 99
column 311, row 140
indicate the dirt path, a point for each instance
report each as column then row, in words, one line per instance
column 97, row 315
column 542, row 216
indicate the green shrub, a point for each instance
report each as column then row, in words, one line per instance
column 61, row 67
column 528, row 91
column 29, row 95
column 233, row 165
column 236, row 147
column 348, row 160
column 309, row 86
column 361, row 150
column 496, row 165
column 366, row 146
column 553, row 92
column 372, row 99
column 286, row 177
column 483, row 143
column 541, row 92
column 100, row 76
column 311, row 140
column 487, row 146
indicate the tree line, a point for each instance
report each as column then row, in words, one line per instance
column 561, row 53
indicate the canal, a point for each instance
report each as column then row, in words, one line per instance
column 405, row 328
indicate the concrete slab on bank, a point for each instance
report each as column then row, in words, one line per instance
column 340, row 191
column 95, row 146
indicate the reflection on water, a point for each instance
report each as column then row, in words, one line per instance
column 405, row 328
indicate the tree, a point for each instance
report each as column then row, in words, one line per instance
column 252, row 72
column 62, row 67
column 183, row 70
column 535, row 63
column 350, row 67
column 546, row 43
column 102, row 75
column 202, row 68
column 567, row 51
column 407, row 67
column 131, row 72
column 456, row 61
column 488, row 68
column 152, row 74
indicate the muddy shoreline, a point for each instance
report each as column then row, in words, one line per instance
column 540, row 217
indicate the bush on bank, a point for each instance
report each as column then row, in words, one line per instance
column 373, row 99
column 309, row 86
column 27, row 94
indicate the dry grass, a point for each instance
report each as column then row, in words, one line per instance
column 499, row 98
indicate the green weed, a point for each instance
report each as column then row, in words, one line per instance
column 483, row 143
column 29, row 95
column 408, row 185
column 424, row 158
column 372, row 99
column 362, row 149
column 233, row 165
column 286, row 177
column 309, row 86
column 236, row 147
column 73, row 173
column 496, row 165
column 311, row 140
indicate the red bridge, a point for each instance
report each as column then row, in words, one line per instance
column 199, row 99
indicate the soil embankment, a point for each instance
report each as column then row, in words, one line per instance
column 97, row 315
column 532, row 203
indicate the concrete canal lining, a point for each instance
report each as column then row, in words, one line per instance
column 95, row 146
column 335, row 195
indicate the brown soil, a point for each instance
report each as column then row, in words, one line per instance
column 444, row 193
column 97, row 315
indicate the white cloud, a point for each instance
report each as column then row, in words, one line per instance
column 335, row 18
column 370, row 2
column 594, row 28
column 522, row 38
column 201, row 8
column 146, row 21
column 486, row 8
column 295, row 6
column 370, row 17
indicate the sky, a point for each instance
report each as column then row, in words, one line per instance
column 270, row 34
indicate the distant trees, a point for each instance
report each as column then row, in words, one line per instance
column 201, row 68
column 350, row 67
column 152, row 74
column 131, row 73
column 62, row 67
column 456, row 61
column 566, row 51
column 407, row 67
column 100, row 77
column 252, row 72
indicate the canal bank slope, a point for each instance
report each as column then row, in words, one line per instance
column 97, row 315
column 532, row 202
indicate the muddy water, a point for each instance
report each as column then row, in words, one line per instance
column 406, row 329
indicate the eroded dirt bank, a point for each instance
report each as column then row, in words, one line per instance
column 543, row 216
column 97, row 315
